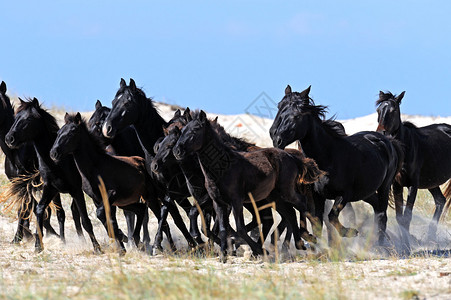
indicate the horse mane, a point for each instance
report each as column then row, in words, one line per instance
column 409, row 124
column 388, row 96
column 236, row 143
column 84, row 125
column 49, row 120
column 307, row 105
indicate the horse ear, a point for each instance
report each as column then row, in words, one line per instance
column 35, row 102
column 381, row 94
column 187, row 114
column 202, row 116
column 66, row 118
column 311, row 173
column 165, row 130
column 288, row 90
column 399, row 98
column 215, row 121
column 3, row 87
column 98, row 105
column 132, row 84
column 21, row 101
column 123, row 83
column 305, row 93
column 78, row 118
column 177, row 113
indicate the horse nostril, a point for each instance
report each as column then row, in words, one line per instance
column 154, row 166
column 279, row 141
column 10, row 139
column 177, row 152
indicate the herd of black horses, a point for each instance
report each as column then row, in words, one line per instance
column 145, row 162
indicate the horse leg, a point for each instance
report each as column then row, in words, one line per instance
column 221, row 215
column 48, row 194
column 194, row 229
column 155, row 207
column 61, row 216
column 439, row 200
column 77, row 219
column 289, row 214
column 161, row 221
column 146, row 234
column 138, row 209
column 337, row 207
column 130, row 219
column 380, row 211
column 320, row 203
column 237, row 208
column 411, row 197
column 179, row 222
column 23, row 224
column 85, row 221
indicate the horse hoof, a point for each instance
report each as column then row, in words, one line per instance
column 310, row 238
column 350, row 232
column 16, row 240
column 300, row 245
column 97, row 250
column 38, row 249
column 223, row 258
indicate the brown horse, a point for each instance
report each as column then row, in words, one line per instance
column 230, row 176
column 125, row 178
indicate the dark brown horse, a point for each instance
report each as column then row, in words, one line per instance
column 125, row 178
column 359, row 167
column 269, row 173
column 427, row 162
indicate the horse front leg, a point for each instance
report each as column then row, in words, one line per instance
column 179, row 222
column 77, row 219
column 221, row 216
column 237, row 208
column 440, row 201
column 411, row 197
column 48, row 194
column 101, row 215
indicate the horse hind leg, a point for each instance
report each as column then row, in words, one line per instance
column 440, row 201
column 130, row 220
column 337, row 207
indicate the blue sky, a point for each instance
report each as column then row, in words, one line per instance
column 219, row 56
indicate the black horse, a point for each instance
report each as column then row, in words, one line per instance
column 131, row 107
column 359, row 167
column 20, row 167
column 35, row 125
column 125, row 143
column 427, row 162
column 124, row 177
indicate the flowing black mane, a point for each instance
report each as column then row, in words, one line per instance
column 49, row 120
column 301, row 104
column 409, row 124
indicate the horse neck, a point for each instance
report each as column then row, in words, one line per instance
column 214, row 156
column 149, row 127
column 42, row 145
column 87, row 155
column 318, row 143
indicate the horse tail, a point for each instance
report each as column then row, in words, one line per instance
column 308, row 172
column 19, row 193
column 447, row 195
